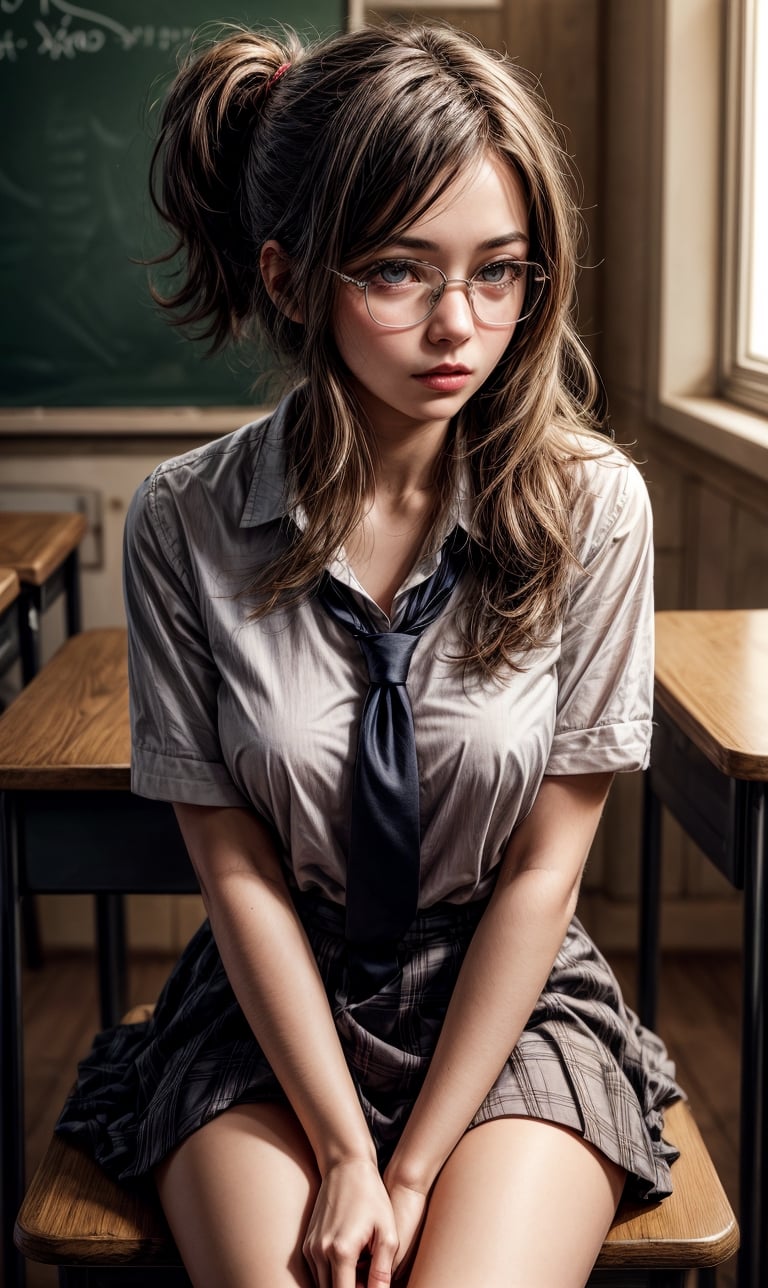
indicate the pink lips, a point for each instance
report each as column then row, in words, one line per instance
column 445, row 378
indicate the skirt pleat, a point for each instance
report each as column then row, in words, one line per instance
column 584, row 1061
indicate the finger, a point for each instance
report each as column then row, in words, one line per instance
column 382, row 1259
column 378, row 1277
column 319, row 1270
column 343, row 1256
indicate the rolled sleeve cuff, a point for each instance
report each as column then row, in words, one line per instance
column 173, row 778
column 612, row 749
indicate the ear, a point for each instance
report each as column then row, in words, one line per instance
column 275, row 268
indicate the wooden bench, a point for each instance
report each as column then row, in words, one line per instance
column 74, row 1216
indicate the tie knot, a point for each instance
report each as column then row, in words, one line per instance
column 388, row 656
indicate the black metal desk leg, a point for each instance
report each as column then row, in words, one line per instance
column 110, row 932
column 72, row 588
column 110, row 910
column 29, row 636
column 753, row 1254
column 29, row 654
column 12, row 1046
column 650, row 906
column 33, row 952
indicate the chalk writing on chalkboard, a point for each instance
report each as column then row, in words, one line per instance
column 55, row 29
column 83, row 81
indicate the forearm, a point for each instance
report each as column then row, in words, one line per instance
column 505, row 969
column 274, row 976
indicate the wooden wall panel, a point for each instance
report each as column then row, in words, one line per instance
column 484, row 23
column 624, row 195
column 667, row 496
column 560, row 42
column 750, row 564
column 710, row 548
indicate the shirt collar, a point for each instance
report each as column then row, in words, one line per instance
column 269, row 496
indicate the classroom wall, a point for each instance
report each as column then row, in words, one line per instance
column 594, row 62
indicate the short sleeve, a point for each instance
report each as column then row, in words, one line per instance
column 173, row 679
column 605, row 669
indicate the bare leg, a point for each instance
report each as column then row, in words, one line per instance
column 520, row 1203
column 237, row 1195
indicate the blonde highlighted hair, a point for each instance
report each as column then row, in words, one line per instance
column 332, row 159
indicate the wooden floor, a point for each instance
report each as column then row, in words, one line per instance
column 699, row 1020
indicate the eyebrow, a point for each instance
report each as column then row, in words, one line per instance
column 493, row 243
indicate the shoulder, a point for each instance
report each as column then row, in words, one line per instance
column 217, row 488
column 224, row 468
column 191, row 519
column 610, row 498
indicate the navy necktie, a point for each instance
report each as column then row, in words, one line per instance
column 385, row 835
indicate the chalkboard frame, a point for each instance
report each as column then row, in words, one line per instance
column 125, row 422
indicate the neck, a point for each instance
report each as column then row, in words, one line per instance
column 406, row 461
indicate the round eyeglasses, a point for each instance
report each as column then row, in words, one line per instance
column 403, row 292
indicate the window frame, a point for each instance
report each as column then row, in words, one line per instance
column 743, row 377
column 687, row 177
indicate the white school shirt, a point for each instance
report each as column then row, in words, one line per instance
column 265, row 714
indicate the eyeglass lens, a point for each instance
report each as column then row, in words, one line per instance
column 405, row 292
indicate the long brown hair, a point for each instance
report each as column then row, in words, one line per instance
column 332, row 158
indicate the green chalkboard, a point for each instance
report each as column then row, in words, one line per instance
column 79, row 87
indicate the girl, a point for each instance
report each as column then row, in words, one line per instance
column 392, row 1052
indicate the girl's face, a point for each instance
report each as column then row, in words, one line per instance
column 419, row 377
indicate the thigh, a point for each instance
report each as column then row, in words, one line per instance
column 521, row 1203
column 238, row 1195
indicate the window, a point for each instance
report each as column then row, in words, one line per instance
column 693, row 285
column 745, row 294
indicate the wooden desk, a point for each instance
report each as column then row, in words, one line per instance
column 9, row 587
column 42, row 547
column 709, row 767
column 9, row 626
column 71, row 826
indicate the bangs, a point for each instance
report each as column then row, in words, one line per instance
column 412, row 143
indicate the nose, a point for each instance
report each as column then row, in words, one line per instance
column 452, row 318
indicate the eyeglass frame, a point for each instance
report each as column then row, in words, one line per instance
column 467, row 282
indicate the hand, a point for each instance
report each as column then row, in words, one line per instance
column 352, row 1222
column 409, row 1206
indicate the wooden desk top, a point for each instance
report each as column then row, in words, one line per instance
column 712, row 679
column 68, row 729
column 9, row 587
column 35, row 544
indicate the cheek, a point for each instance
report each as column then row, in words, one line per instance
column 497, row 346
column 352, row 329
column 364, row 346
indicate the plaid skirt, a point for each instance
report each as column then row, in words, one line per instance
column 583, row 1060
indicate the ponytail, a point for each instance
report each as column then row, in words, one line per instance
column 196, row 179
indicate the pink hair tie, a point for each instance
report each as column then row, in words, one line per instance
column 274, row 78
